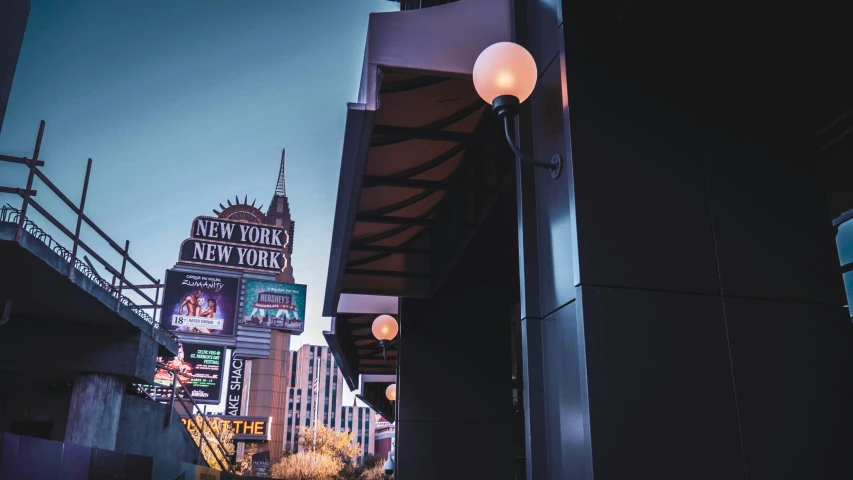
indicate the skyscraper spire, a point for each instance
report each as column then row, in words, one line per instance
column 279, row 188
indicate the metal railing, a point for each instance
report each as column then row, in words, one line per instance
column 120, row 281
column 190, row 408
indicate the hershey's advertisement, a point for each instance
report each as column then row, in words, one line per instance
column 275, row 305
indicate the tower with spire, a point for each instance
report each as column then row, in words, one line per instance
column 278, row 214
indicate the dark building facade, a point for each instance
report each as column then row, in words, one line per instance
column 681, row 311
column 13, row 23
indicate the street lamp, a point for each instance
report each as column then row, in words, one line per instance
column 385, row 329
column 504, row 76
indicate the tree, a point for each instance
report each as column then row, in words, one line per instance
column 307, row 466
column 350, row 471
column 322, row 439
column 376, row 472
column 371, row 460
column 324, row 454
column 244, row 464
column 215, row 430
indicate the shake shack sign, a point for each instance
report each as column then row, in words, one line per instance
column 238, row 245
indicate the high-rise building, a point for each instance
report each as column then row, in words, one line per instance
column 13, row 23
column 360, row 421
column 315, row 397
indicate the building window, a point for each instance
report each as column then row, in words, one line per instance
column 293, row 371
column 844, row 242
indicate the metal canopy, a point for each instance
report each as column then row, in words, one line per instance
column 417, row 171
column 422, row 164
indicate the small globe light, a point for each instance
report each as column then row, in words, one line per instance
column 385, row 328
column 505, row 68
column 391, row 392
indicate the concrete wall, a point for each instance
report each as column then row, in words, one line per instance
column 143, row 431
column 24, row 457
column 24, row 401
column 33, row 458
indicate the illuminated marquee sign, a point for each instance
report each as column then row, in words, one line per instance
column 238, row 245
column 245, row 428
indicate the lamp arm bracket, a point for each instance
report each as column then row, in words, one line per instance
column 555, row 165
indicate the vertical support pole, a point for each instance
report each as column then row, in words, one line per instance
column 172, row 400
column 154, row 309
column 76, row 238
column 121, row 277
column 19, row 234
column 201, row 436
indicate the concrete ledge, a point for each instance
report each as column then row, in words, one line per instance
column 22, row 273
column 63, row 350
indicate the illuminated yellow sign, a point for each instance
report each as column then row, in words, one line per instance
column 245, row 428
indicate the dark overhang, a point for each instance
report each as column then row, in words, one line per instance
column 417, row 171
column 351, row 340
column 372, row 388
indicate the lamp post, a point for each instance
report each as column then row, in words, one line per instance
column 504, row 77
column 391, row 395
column 385, row 329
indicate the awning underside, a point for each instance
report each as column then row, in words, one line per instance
column 428, row 179
column 373, row 394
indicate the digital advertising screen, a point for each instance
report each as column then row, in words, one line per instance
column 275, row 305
column 200, row 369
column 200, row 303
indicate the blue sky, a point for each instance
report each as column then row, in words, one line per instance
column 182, row 105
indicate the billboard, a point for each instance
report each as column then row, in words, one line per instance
column 200, row 303
column 236, row 245
column 201, row 371
column 275, row 305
